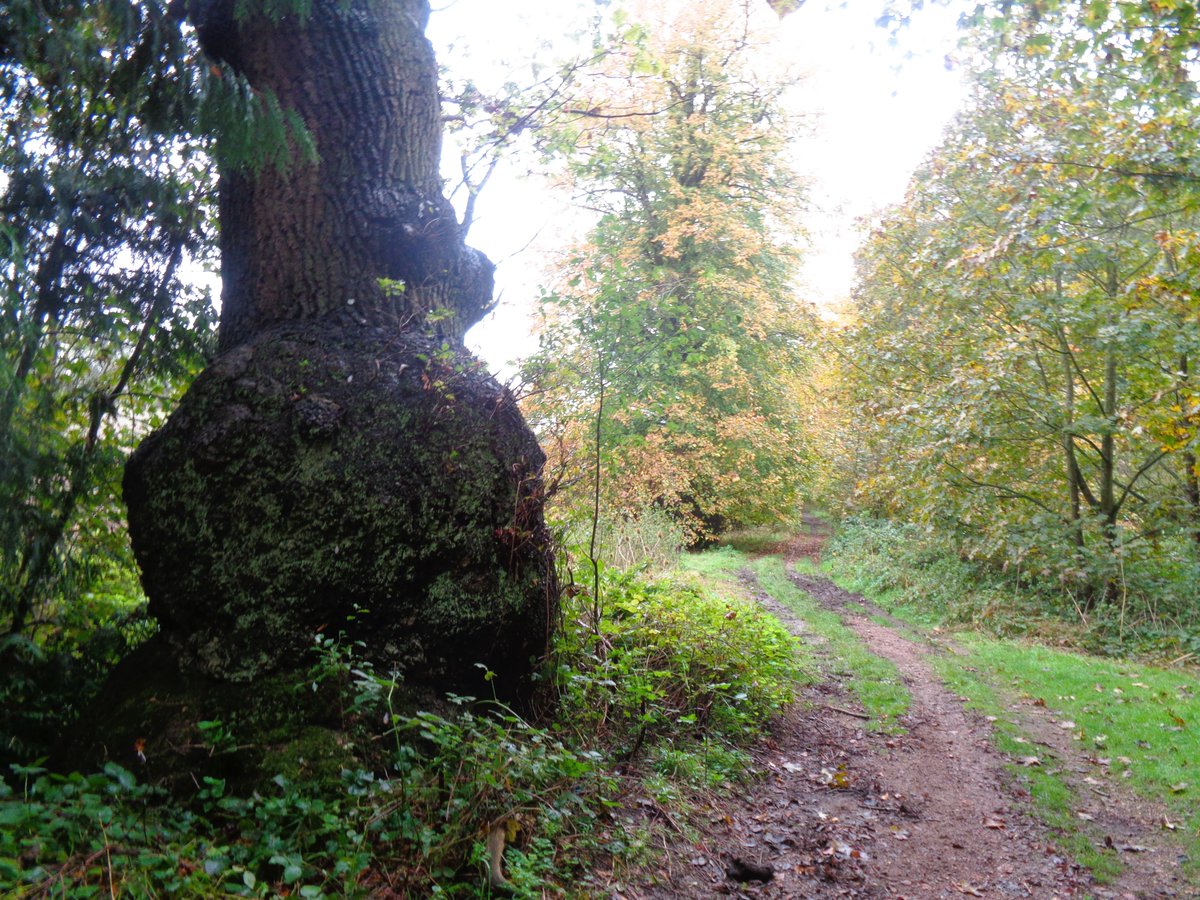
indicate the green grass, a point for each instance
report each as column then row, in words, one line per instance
column 1053, row 799
column 1122, row 711
column 873, row 681
column 720, row 563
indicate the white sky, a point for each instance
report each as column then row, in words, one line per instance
column 879, row 109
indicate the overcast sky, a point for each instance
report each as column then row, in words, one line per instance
column 879, row 110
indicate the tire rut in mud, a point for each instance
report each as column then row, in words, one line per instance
column 840, row 811
column 947, row 760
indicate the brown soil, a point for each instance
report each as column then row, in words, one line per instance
column 839, row 811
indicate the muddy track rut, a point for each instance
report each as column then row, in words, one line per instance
column 840, row 811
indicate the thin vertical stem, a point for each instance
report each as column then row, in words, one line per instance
column 596, row 607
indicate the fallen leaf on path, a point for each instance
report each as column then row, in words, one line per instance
column 1066, row 726
column 839, row 778
column 993, row 823
column 839, row 848
column 963, row 888
column 1029, row 761
column 1087, row 817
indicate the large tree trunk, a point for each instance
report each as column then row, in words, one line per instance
column 345, row 465
column 315, row 240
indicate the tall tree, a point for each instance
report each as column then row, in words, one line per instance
column 675, row 344
column 345, row 463
column 1021, row 353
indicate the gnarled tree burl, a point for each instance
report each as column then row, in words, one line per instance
column 344, row 465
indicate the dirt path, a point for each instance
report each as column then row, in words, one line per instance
column 931, row 813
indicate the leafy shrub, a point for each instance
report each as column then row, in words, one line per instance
column 670, row 662
column 44, row 684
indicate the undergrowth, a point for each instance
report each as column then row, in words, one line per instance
column 658, row 696
column 921, row 577
column 671, row 660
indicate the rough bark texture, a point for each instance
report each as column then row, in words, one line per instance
column 314, row 240
column 356, row 479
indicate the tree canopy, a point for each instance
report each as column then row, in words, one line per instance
column 675, row 347
column 1025, row 333
column 104, row 206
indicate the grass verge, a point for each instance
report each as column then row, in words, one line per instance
column 1140, row 725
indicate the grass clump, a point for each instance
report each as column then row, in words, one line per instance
column 761, row 539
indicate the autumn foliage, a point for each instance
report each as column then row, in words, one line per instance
column 674, row 349
column 1021, row 364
